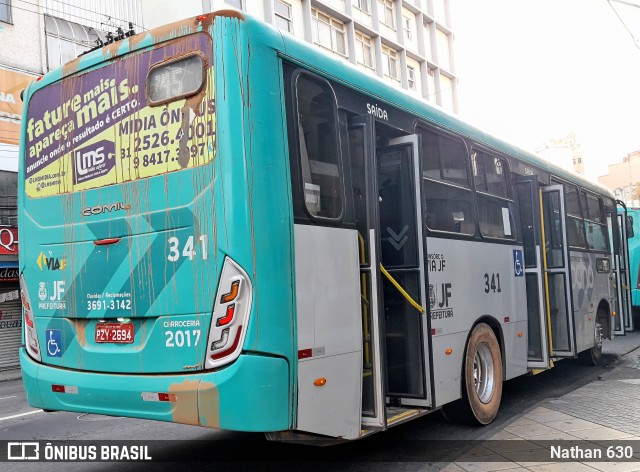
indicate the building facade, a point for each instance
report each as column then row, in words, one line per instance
column 406, row 42
column 565, row 151
column 623, row 179
column 37, row 36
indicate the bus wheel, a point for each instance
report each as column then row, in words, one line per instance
column 592, row 356
column 482, row 373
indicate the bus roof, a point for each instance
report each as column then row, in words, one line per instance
column 338, row 70
column 351, row 76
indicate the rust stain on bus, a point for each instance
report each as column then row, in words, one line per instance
column 160, row 34
column 71, row 67
column 80, row 327
column 209, row 405
column 185, row 408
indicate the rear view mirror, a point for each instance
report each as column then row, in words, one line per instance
column 630, row 227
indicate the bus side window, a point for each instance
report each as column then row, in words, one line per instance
column 495, row 207
column 445, row 184
column 318, row 144
column 594, row 223
column 575, row 223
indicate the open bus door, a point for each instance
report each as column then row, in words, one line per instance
column 528, row 194
column 388, row 217
column 402, row 257
column 624, row 320
column 364, row 181
column 557, row 273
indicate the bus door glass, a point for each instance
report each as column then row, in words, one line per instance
column 558, row 283
column 623, row 265
column 402, row 257
column 530, row 227
column 365, row 199
column 618, row 247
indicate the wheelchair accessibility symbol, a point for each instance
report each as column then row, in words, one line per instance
column 54, row 343
column 518, row 263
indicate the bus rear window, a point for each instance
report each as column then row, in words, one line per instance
column 126, row 120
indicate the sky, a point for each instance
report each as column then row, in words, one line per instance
column 533, row 70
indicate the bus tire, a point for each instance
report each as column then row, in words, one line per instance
column 482, row 375
column 592, row 356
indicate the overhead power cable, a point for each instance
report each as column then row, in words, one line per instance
column 87, row 19
column 635, row 40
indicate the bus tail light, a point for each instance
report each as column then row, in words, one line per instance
column 230, row 316
column 30, row 333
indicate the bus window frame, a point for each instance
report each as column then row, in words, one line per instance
column 565, row 184
column 167, row 62
column 422, row 126
column 556, row 180
column 509, row 198
column 602, row 224
column 295, row 75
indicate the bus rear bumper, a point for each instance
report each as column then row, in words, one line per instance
column 252, row 394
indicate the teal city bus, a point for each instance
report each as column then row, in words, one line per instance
column 222, row 226
column 629, row 268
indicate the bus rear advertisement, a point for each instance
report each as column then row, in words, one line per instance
column 223, row 226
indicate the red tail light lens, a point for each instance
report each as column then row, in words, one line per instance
column 230, row 316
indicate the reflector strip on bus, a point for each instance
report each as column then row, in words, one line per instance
column 107, row 241
column 304, row 353
column 158, row 397
column 64, row 389
column 220, row 355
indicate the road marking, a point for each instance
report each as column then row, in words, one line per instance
column 21, row 414
column 4, row 398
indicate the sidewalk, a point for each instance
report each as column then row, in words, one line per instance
column 604, row 412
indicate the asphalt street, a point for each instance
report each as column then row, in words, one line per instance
column 396, row 449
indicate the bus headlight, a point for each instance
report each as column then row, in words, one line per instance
column 29, row 323
column 230, row 316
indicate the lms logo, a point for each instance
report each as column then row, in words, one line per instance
column 94, row 161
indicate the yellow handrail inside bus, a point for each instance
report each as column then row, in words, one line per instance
column 546, row 277
column 413, row 303
column 364, row 300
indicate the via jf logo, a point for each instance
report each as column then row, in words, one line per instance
column 51, row 263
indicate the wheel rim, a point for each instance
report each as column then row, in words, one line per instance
column 598, row 336
column 483, row 375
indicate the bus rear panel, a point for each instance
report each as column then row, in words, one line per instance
column 139, row 285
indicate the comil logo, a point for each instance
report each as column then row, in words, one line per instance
column 99, row 209
column 23, row 451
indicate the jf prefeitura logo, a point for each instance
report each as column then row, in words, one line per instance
column 96, row 129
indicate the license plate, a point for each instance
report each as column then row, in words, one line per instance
column 120, row 333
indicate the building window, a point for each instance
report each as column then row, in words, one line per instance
column 329, row 33
column 66, row 40
column 442, row 42
column 385, row 13
column 362, row 5
column 411, row 77
column 283, row 18
column 408, row 28
column 364, row 50
column 235, row 3
column 390, row 62
column 5, row 11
